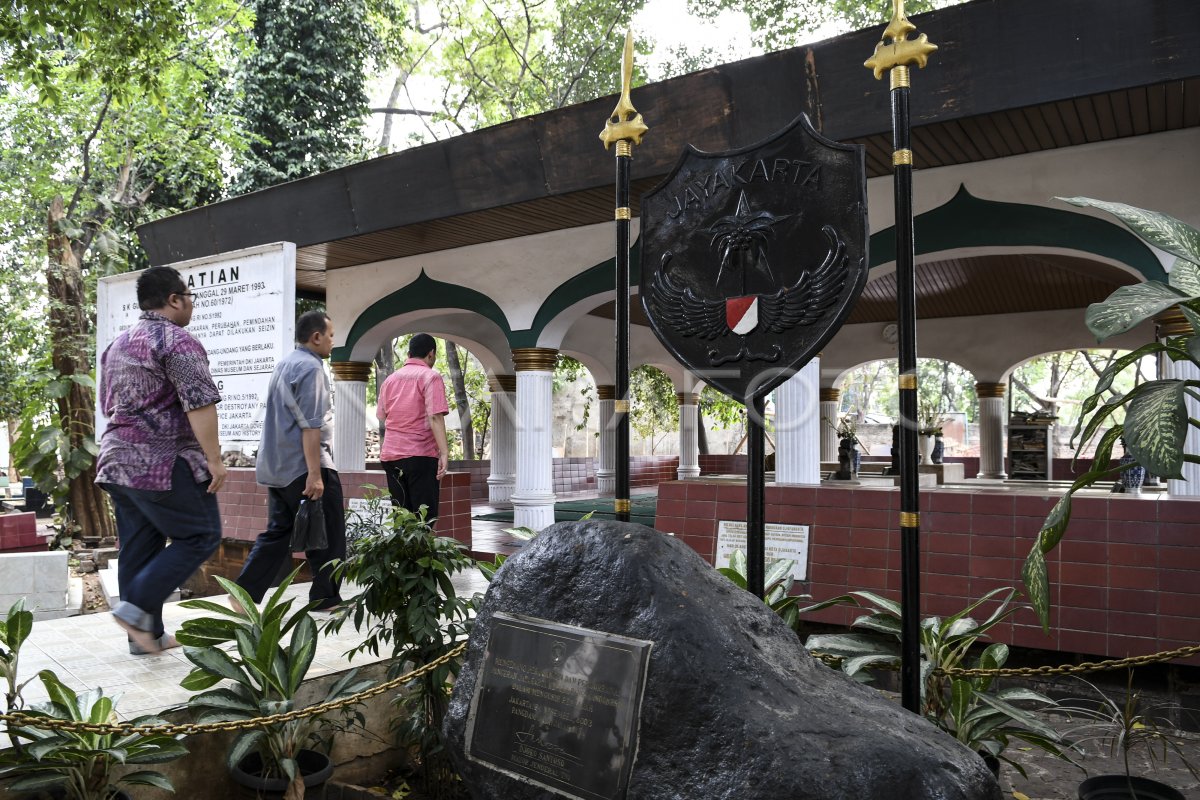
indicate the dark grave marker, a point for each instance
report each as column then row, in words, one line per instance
column 559, row 706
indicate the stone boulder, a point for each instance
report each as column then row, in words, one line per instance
column 734, row 706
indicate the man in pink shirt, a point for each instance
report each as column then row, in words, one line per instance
column 412, row 407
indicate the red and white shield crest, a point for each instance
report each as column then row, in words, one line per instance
column 741, row 314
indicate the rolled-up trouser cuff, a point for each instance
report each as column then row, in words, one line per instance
column 131, row 614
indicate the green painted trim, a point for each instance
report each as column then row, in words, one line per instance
column 969, row 221
column 592, row 281
column 423, row 293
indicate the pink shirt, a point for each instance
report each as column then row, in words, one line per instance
column 406, row 400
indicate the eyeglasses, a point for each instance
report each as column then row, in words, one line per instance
column 190, row 295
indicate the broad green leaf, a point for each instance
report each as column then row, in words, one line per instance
column 1156, row 425
column 777, row 570
column 1025, row 718
column 147, row 778
column 960, row 700
column 215, row 661
column 300, row 653
column 851, row 644
column 18, row 625
column 1037, row 584
column 852, row 666
column 199, row 679
column 224, row 699
column 883, row 623
column 1161, row 230
column 31, row 783
column 1185, row 276
column 737, row 562
column 243, row 746
column 60, row 694
column 1130, row 306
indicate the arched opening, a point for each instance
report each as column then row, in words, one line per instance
column 946, row 401
column 1054, row 386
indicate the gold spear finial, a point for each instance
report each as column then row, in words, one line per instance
column 624, row 122
column 901, row 51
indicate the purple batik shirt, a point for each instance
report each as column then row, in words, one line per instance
column 151, row 376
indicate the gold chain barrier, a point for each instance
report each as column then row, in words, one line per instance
column 19, row 719
column 1030, row 672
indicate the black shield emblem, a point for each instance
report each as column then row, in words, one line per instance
column 752, row 258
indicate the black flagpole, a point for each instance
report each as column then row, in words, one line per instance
column 624, row 128
column 894, row 54
column 756, row 477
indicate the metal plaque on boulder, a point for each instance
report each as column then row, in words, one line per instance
column 558, row 706
column 753, row 258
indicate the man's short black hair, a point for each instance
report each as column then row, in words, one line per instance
column 310, row 322
column 156, row 285
column 421, row 345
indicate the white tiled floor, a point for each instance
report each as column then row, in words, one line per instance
column 89, row 651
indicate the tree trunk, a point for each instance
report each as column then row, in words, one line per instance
column 14, row 475
column 385, row 364
column 86, row 507
column 461, row 400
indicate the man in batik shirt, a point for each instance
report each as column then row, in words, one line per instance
column 160, row 459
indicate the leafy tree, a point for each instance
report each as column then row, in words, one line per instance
column 497, row 60
column 653, row 408
column 104, row 103
column 779, row 24
column 304, row 98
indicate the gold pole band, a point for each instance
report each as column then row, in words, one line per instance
column 624, row 149
column 621, row 506
column 908, row 381
column 902, row 157
column 898, row 78
column 620, row 406
column 624, row 213
column 910, row 519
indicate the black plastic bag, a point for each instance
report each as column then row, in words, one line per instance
column 308, row 531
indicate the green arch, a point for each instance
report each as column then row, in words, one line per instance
column 969, row 221
column 592, row 281
column 423, row 293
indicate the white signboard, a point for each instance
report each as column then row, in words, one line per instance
column 245, row 316
column 782, row 541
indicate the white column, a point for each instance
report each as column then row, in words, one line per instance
column 350, row 414
column 533, row 500
column 503, row 476
column 798, row 427
column 606, row 467
column 1172, row 323
column 831, row 399
column 689, row 441
column 992, row 424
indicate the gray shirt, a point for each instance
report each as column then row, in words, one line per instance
column 299, row 398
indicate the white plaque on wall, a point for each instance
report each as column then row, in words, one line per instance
column 782, row 541
column 245, row 316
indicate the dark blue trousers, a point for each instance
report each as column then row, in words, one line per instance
column 273, row 546
column 148, row 571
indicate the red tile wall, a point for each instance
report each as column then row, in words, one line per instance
column 1124, row 581
column 18, row 533
column 244, row 503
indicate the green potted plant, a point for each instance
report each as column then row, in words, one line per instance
column 1126, row 728
column 1156, row 419
column 971, row 709
column 80, row 764
column 280, row 759
column 408, row 603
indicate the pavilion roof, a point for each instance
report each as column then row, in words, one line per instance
column 1010, row 77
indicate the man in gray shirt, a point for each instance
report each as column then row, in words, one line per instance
column 295, row 461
